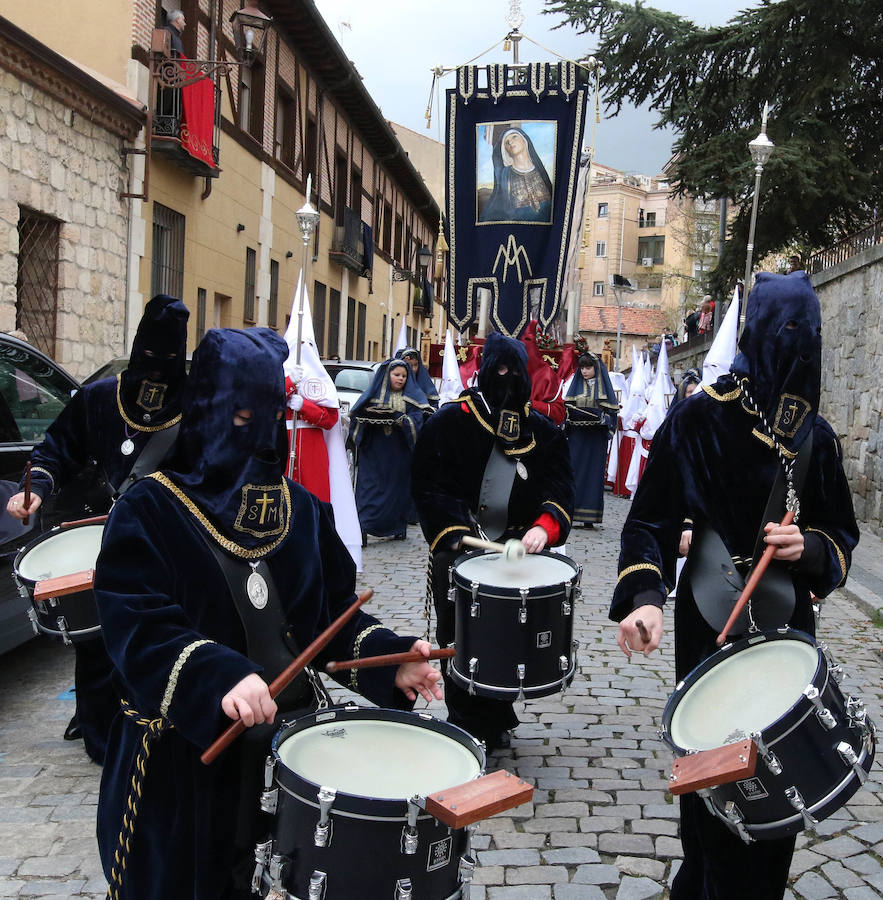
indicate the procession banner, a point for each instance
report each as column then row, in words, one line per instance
column 514, row 136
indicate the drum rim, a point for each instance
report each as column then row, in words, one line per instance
column 507, row 593
column 728, row 651
column 361, row 804
column 553, row 687
column 39, row 539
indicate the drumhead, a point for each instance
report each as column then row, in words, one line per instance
column 743, row 693
column 375, row 758
column 532, row 571
column 68, row 551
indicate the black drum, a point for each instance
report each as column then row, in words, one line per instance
column 343, row 784
column 779, row 688
column 54, row 572
column 514, row 624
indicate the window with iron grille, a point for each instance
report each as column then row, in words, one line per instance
column 36, row 283
column 251, row 258
column 333, row 323
column 167, row 264
column 360, row 331
column 319, row 316
column 273, row 309
column 200, row 314
column 350, row 327
column 286, row 124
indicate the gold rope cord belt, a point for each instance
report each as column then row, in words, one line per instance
column 153, row 729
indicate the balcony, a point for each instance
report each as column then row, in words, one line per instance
column 166, row 134
column 347, row 242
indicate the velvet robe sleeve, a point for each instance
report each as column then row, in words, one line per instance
column 320, row 416
column 553, row 467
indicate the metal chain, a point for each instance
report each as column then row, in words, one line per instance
column 427, row 600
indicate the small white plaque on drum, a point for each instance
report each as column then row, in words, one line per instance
column 439, row 855
column 752, row 789
column 544, row 639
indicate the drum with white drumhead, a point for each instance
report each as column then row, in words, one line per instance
column 514, row 624
column 814, row 749
column 54, row 572
column 343, row 785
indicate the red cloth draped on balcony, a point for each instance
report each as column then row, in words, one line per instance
column 198, row 119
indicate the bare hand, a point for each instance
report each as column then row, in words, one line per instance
column 686, row 540
column 629, row 635
column 787, row 540
column 535, row 539
column 419, row 677
column 16, row 505
column 250, row 701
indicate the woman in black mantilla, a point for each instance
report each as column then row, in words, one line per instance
column 450, row 459
column 591, row 419
column 194, row 645
column 716, row 459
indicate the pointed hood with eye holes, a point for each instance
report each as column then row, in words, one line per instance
column 153, row 381
column 780, row 354
column 232, row 472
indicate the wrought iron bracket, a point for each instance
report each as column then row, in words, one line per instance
column 179, row 73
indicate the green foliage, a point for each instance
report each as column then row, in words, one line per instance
column 819, row 63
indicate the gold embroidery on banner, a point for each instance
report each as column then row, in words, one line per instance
column 639, row 567
column 183, row 656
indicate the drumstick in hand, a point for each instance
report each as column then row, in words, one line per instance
column 389, row 659
column 27, row 519
column 287, row 676
column 512, row 550
column 642, row 630
column 756, row 575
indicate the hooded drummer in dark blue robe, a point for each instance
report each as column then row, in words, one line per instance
column 109, row 423
column 449, row 465
column 591, row 419
column 715, row 460
column 421, row 374
column 180, row 619
column 384, row 424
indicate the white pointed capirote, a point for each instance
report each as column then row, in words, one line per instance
column 402, row 340
column 451, row 383
column 723, row 349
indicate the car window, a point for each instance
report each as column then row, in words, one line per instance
column 354, row 379
column 32, row 392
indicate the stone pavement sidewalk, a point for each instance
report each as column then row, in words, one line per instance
column 601, row 825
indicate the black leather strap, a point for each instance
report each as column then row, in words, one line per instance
column 150, row 457
column 496, row 487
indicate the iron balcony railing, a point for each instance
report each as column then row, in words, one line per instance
column 849, row 246
column 347, row 242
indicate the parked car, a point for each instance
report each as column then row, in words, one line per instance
column 33, row 391
column 351, row 377
column 113, row 367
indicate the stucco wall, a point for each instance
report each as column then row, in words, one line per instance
column 851, row 296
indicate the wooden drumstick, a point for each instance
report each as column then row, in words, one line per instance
column 756, row 575
column 512, row 550
column 287, row 676
column 27, row 519
column 642, row 630
column 389, row 659
column 94, row 520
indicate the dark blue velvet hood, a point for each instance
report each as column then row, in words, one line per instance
column 510, row 391
column 780, row 354
column 151, row 385
column 232, row 472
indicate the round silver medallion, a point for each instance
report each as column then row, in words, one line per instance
column 127, row 448
column 256, row 588
column 521, row 469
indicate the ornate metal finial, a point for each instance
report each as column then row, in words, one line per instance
column 515, row 16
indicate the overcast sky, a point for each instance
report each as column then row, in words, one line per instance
column 395, row 44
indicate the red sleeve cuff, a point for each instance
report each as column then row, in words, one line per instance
column 551, row 526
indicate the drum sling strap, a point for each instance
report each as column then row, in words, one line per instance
column 154, row 452
column 715, row 581
column 493, row 499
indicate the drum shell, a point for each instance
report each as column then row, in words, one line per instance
column 500, row 641
column 802, row 744
column 77, row 608
column 364, row 857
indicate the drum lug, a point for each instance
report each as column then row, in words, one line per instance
column 269, row 771
column 269, row 801
column 522, row 612
column 324, row 827
column 837, row 672
column 795, row 798
column 23, row 591
column 475, row 609
column 519, row 670
column 563, row 663
column 317, row 885
column 61, row 623
column 32, row 615
column 856, row 713
column 473, row 668
column 822, row 712
column 262, row 854
column 473, row 589
column 767, row 755
column 465, row 874
column 41, row 606
column 736, row 819
column 452, row 594
column 566, row 608
column 409, row 831
column 403, row 889
column 848, row 755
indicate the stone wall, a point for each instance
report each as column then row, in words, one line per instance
column 56, row 162
column 851, row 296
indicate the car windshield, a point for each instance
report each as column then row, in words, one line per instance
column 353, row 379
column 32, row 394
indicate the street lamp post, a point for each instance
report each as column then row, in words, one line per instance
column 761, row 150
column 619, row 284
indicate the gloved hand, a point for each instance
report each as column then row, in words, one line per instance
column 295, row 401
column 297, row 374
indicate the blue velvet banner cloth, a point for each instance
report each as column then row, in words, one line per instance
column 513, row 136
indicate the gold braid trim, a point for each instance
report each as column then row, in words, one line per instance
column 722, row 398
column 766, row 439
column 840, row 557
column 153, row 729
column 638, row 567
column 441, row 534
column 558, row 507
column 357, row 649
column 225, row 542
column 48, row 474
column 135, row 425
column 176, row 671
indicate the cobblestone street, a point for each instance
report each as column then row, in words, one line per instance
column 602, row 824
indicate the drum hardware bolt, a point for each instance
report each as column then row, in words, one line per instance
column 276, row 871
column 563, row 663
column 41, row 606
column 837, row 672
column 736, row 819
column 269, row 770
column 61, row 623
column 795, row 798
column 426, row 716
column 568, row 590
column 33, row 617
column 325, row 827
column 519, row 669
column 770, row 759
column 473, row 667
column 317, row 885
column 566, row 608
column 742, row 758
column 475, row 609
column 269, row 801
column 409, row 832
column 848, row 755
column 822, row 712
column 522, row 613
column 262, row 853
column 672, row 777
column 473, row 587
column 452, row 595
column 403, row 889
column 53, row 602
column 465, row 874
